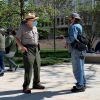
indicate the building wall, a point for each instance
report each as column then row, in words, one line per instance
column 37, row 2
column 77, row 3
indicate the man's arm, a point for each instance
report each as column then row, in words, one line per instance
column 22, row 48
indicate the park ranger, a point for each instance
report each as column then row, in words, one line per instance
column 27, row 40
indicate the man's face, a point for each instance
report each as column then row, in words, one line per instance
column 71, row 20
column 30, row 22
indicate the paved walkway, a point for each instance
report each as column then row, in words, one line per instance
column 58, row 80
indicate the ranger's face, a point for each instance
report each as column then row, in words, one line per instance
column 30, row 22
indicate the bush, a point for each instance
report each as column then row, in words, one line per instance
column 53, row 60
column 48, row 57
column 57, row 54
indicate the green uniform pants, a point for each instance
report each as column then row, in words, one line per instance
column 31, row 61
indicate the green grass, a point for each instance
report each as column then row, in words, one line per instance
column 53, row 60
column 58, row 53
column 48, row 57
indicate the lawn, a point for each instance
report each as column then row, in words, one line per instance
column 48, row 57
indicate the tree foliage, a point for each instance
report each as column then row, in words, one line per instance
column 9, row 13
column 13, row 11
column 91, row 22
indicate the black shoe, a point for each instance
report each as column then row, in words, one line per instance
column 10, row 70
column 38, row 86
column 1, row 74
column 26, row 90
column 84, row 87
column 75, row 89
column 79, row 85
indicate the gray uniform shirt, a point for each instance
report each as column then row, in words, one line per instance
column 2, row 39
column 27, row 35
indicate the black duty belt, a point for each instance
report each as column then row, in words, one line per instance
column 31, row 45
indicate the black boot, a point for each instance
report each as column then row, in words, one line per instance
column 1, row 74
column 75, row 89
column 26, row 90
column 38, row 86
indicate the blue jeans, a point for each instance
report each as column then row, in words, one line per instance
column 78, row 67
column 1, row 61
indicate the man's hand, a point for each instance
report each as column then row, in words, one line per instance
column 66, row 45
column 24, row 49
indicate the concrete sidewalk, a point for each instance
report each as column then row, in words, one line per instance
column 58, row 80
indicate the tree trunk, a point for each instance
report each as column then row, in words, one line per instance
column 22, row 9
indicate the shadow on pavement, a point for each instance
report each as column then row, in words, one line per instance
column 18, row 95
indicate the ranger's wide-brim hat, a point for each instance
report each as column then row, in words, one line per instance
column 31, row 16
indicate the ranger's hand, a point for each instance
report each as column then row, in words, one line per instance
column 24, row 49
